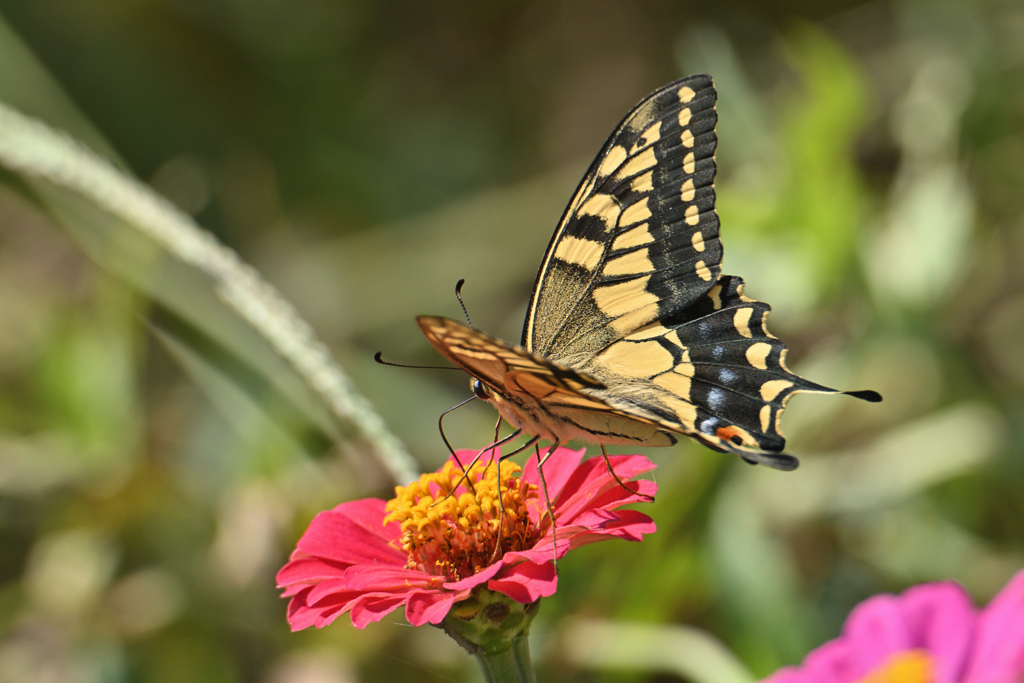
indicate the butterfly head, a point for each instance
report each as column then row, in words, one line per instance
column 482, row 391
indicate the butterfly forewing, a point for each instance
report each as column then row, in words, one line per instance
column 639, row 240
column 545, row 398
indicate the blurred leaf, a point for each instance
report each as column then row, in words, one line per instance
column 135, row 234
column 680, row 650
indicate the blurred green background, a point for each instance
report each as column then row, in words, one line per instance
column 365, row 156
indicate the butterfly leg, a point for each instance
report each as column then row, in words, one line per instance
column 475, row 460
column 501, row 501
column 547, row 499
column 497, row 430
column 440, row 427
column 604, row 454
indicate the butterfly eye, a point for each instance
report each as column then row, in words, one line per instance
column 478, row 389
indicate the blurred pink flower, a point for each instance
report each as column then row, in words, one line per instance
column 428, row 550
column 930, row 634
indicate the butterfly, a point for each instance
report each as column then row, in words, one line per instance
column 633, row 335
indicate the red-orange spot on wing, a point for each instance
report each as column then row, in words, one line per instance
column 726, row 433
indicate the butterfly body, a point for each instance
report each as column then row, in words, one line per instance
column 632, row 334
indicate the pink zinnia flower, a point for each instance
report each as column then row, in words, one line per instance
column 428, row 550
column 930, row 634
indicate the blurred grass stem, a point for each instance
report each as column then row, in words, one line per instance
column 31, row 148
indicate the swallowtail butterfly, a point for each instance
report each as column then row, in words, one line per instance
column 633, row 335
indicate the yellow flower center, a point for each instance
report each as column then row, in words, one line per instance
column 913, row 666
column 450, row 529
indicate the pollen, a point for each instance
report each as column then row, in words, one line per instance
column 912, row 666
column 452, row 522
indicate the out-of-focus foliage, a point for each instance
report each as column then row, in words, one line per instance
column 365, row 156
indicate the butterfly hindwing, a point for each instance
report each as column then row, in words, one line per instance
column 713, row 372
column 639, row 240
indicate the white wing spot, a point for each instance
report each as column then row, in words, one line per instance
column 708, row 425
column 716, row 399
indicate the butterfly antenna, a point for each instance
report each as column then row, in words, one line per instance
column 608, row 464
column 458, row 295
column 377, row 357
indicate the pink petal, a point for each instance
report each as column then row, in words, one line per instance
column 940, row 618
column 792, row 674
column 369, row 514
column 334, row 535
column 998, row 655
column 302, row 614
column 327, row 616
column 833, row 662
column 308, row 570
column 431, row 606
column 626, row 524
column 370, row 608
column 593, row 487
column 325, row 590
column 557, row 470
column 874, row 631
column 385, row 578
column 631, row 526
column 526, row 582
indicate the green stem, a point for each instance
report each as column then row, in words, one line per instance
column 510, row 665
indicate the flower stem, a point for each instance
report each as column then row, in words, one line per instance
column 511, row 665
column 493, row 627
